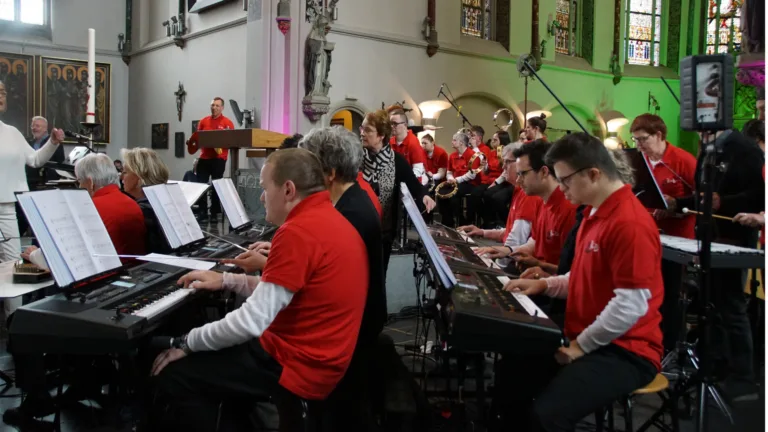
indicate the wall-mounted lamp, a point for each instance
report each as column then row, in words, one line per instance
column 613, row 120
column 176, row 27
column 430, row 112
column 533, row 110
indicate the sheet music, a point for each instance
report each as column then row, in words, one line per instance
column 230, row 200
column 66, row 175
column 175, row 216
column 444, row 272
column 189, row 263
column 692, row 246
column 192, row 191
column 70, row 232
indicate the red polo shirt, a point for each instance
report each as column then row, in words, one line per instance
column 684, row 164
column 494, row 168
column 123, row 219
column 439, row 159
column 458, row 164
column 523, row 207
column 555, row 221
column 218, row 123
column 617, row 247
column 369, row 190
column 410, row 148
column 319, row 256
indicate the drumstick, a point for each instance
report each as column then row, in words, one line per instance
column 686, row 211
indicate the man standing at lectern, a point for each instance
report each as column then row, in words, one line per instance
column 213, row 160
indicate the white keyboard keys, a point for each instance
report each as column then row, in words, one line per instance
column 525, row 301
column 164, row 303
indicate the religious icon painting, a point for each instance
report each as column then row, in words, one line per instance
column 63, row 95
column 17, row 75
column 160, row 136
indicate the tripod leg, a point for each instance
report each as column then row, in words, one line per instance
column 720, row 402
column 701, row 416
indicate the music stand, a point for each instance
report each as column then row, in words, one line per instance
column 646, row 188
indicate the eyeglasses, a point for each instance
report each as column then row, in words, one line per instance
column 640, row 140
column 565, row 181
column 396, row 124
column 521, row 174
column 508, row 161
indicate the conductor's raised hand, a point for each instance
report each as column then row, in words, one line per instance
column 249, row 261
column 57, row 136
column 528, row 287
column 207, row 280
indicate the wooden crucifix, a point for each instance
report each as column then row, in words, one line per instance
column 180, row 96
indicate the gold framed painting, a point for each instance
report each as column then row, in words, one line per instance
column 63, row 90
column 17, row 74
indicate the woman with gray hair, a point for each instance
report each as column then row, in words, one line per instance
column 462, row 177
column 121, row 215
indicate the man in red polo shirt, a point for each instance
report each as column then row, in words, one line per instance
column 459, row 174
column 300, row 323
column 556, row 217
column 213, row 161
column 613, row 291
column 405, row 143
column 435, row 159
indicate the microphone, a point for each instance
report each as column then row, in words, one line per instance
column 441, row 90
column 76, row 135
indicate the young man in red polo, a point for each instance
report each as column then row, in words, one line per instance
column 406, row 143
column 613, row 292
column 299, row 326
column 556, row 217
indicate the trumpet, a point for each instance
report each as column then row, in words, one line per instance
column 511, row 116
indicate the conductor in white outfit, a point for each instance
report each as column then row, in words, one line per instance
column 15, row 153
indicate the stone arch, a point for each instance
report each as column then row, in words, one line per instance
column 352, row 106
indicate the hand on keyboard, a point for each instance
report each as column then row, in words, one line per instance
column 262, row 247
column 250, row 261
column 524, row 258
column 534, row 273
column 527, row 287
column 493, row 251
column 206, row 280
column 470, row 230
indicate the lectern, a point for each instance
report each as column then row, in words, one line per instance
column 235, row 139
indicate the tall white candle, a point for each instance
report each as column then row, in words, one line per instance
column 90, row 115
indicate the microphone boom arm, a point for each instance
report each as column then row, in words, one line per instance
column 533, row 72
column 464, row 119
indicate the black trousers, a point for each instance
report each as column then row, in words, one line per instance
column 732, row 334
column 476, row 206
column 671, row 312
column 536, row 394
column 208, row 169
column 499, row 198
column 450, row 209
column 195, row 385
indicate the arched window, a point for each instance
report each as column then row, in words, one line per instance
column 643, row 35
column 723, row 24
column 566, row 36
column 477, row 18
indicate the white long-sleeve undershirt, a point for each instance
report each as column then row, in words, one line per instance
column 248, row 321
column 620, row 314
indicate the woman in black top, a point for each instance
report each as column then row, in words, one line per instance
column 385, row 170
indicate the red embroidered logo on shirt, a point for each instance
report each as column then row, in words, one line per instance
column 592, row 247
column 670, row 181
column 552, row 234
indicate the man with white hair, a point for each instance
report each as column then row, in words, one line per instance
column 40, row 136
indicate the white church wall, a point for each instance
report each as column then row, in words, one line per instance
column 70, row 20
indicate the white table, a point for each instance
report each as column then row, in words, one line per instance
column 8, row 289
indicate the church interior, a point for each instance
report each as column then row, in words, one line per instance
column 272, row 69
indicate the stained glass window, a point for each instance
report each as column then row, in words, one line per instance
column 643, row 36
column 7, row 10
column 562, row 33
column 477, row 18
column 24, row 11
column 723, row 26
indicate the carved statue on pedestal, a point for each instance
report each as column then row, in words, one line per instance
column 317, row 60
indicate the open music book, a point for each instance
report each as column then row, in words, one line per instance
column 444, row 272
column 192, row 191
column 70, row 232
column 231, row 202
column 175, row 215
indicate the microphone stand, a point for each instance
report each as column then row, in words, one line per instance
column 670, row 90
column 464, row 120
column 533, row 72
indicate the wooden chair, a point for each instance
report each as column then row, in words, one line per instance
column 658, row 386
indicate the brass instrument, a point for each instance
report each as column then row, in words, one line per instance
column 509, row 124
column 499, row 151
column 447, row 194
column 472, row 162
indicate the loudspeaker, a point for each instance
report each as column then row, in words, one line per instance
column 706, row 92
column 179, row 141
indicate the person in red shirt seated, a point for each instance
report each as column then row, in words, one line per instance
column 554, row 221
column 459, row 174
column 121, row 215
column 613, row 293
column 435, row 159
column 298, row 328
column 484, row 196
column 406, row 143
column 535, row 128
column 213, row 161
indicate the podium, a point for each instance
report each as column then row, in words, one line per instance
column 235, row 139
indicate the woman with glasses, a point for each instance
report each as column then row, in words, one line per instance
column 384, row 170
column 673, row 168
column 143, row 167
